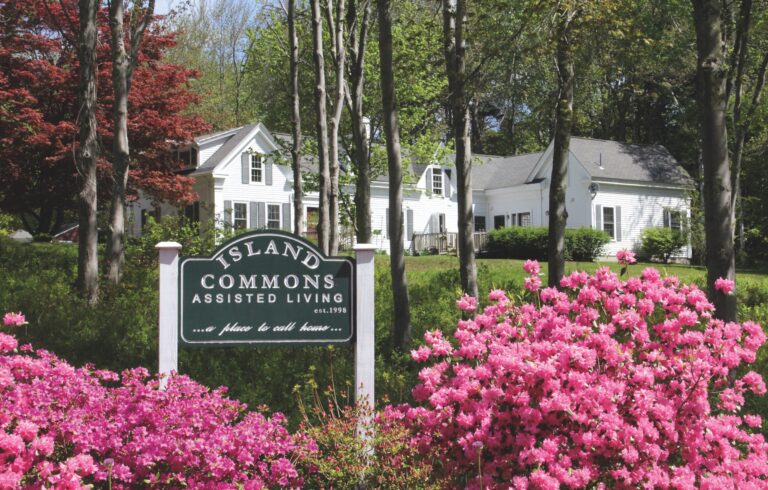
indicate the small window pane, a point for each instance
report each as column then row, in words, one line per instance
column 240, row 213
column 437, row 181
column 524, row 219
column 256, row 168
column 608, row 222
column 273, row 216
column 674, row 219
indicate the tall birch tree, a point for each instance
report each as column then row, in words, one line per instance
column 335, row 19
column 711, row 74
column 402, row 315
column 558, row 214
column 454, row 45
column 358, row 25
column 298, row 190
column 87, row 153
column 123, row 63
column 323, row 225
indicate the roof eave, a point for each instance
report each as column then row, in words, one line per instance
column 642, row 183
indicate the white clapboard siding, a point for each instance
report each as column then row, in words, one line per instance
column 641, row 208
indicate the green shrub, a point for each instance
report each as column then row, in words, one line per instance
column 8, row 223
column 581, row 244
column 584, row 244
column 518, row 242
column 662, row 243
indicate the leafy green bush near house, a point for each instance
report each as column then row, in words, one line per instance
column 581, row 244
column 584, row 244
column 661, row 243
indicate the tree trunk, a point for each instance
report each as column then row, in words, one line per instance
column 402, row 315
column 120, row 150
column 298, row 191
column 87, row 154
column 558, row 215
column 357, row 46
column 122, row 71
column 454, row 19
column 323, row 225
column 336, row 29
column 711, row 72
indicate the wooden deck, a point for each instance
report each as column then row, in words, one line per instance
column 444, row 243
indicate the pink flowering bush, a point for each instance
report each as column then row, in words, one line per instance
column 64, row 427
column 602, row 383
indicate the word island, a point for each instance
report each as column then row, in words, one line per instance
column 266, row 287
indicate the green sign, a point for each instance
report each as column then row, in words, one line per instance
column 266, row 287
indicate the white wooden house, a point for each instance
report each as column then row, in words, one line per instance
column 239, row 184
column 617, row 187
column 620, row 188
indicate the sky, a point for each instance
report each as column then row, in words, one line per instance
column 163, row 6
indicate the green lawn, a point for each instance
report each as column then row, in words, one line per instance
column 514, row 268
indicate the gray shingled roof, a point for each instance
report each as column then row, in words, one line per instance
column 225, row 149
column 624, row 161
column 492, row 172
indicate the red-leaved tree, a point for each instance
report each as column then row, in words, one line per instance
column 38, row 113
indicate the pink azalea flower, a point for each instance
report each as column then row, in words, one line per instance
column 532, row 267
column 12, row 319
column 724, row 285
column 467, row 303
column 626, row 257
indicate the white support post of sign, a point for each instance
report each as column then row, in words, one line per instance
column 168, row 347
column 365, row 335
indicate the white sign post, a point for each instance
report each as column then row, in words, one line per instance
column 364, row 310
column 365, row 341
column 168, row 347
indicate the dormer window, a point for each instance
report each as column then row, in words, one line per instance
column 437, row 181
column 257, row 169
column 188, row 157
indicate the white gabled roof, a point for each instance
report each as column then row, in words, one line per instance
column 236, row 139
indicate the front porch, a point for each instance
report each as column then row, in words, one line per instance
column 444, row 243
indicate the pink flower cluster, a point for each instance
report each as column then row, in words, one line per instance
column 14, row 319
column 724, row 285
column 607, row 384
column 62, row 427
column 626, row 257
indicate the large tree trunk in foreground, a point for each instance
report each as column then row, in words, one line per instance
column 298, row 190
column 402, row 318
column 357, row 45
column 339, row 52
column 122, row 71
column 710, row 73
column 454, row 20
column 87, row 154
column 558, row 215
column 323, row 225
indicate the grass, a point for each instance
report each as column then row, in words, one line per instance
column 505, row 269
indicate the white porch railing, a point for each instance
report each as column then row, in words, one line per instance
column 444, row 243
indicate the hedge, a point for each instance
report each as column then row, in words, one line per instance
column 581, row 244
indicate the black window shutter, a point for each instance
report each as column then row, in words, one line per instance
column 245, row 163
column 228, row 212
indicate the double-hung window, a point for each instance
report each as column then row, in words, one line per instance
column 257, row 169
column 273, row 216
column 609, row 221
column 673, row 219
column 240, row 215
column 437, row 181
column 523, row 219
column 479, row 223
column 498, row 222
